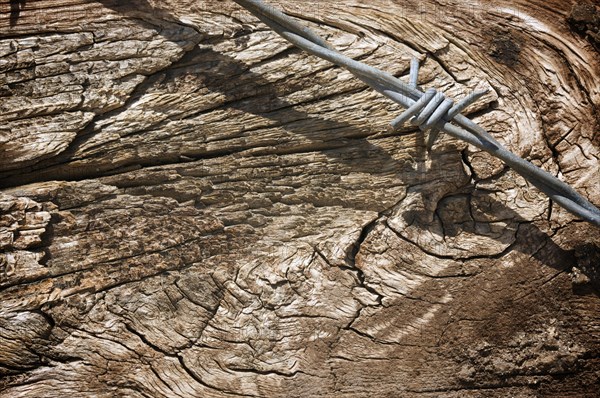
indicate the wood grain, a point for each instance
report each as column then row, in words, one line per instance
column 192, row 207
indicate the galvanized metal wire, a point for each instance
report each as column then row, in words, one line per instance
column 429, row 110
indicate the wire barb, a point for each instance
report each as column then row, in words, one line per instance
column 465, row 102
column 426, row 109
column 414, row 72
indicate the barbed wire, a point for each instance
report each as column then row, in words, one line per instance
column 430, row 110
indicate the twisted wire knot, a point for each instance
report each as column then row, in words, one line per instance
column 433, row 110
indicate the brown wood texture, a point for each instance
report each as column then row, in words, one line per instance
column 192, row 207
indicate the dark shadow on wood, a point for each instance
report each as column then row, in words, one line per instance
column 15, row 10
column 529, row 238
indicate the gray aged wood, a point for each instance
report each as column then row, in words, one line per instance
column 191, row 207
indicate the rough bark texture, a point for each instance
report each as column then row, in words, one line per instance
column 192, row 207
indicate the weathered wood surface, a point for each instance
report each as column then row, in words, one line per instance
column 192, row 207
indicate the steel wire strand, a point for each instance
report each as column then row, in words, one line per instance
column 408, row 94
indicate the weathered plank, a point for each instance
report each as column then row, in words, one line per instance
column 192, row 207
